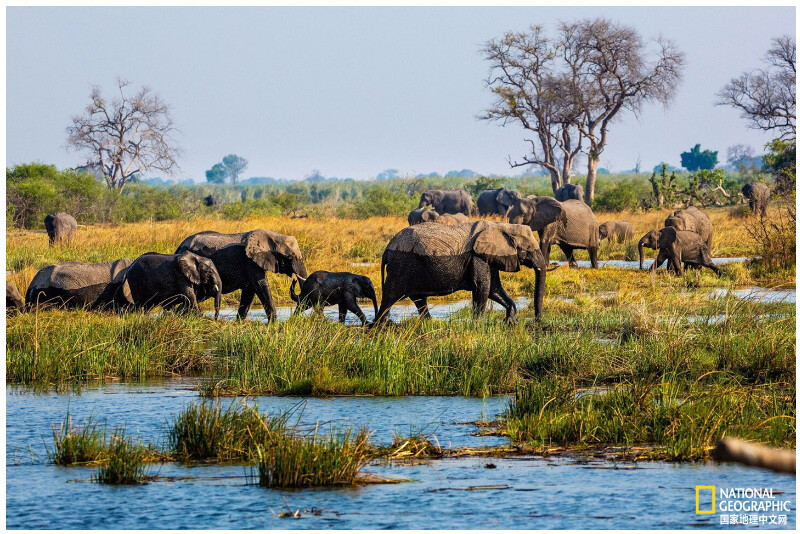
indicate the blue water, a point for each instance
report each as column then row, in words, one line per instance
column 529, row 492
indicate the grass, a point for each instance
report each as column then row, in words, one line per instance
column 126, row 462
column 74, row 445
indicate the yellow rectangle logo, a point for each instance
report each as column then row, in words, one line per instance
column 697, row 509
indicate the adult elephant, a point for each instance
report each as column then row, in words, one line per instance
column 429, row 260
column 422, row 215
column 60, row 227
column 680, row 248
column 616, row 231
column 454, row 201
column 75, row 284
column 173, row 281
column 692, row 219
column 496, row 201
column 243, row 260
column 570, row 224
column 569, row 192
column 757, row 196
column 13, row 297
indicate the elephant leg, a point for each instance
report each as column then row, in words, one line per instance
column 677, row 262
column 388, row 300
column 245, row 301
column 705, row 261
column 342, row 312
column 593, row 257
column 422, row 307
column 351, row 304
column 660, row 258
column 498, row 294
column 482, row 283
column 569, row 252
column 264, row 295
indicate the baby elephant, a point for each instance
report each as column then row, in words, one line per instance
column 616, row 231
column 680, row 247
column 324, row 288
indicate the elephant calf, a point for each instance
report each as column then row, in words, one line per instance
column 13, row 297
column 422, row 215
column 680, row 247
column 75, row 284
column 616, row 231
column 324, row 288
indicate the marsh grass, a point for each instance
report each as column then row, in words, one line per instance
column 417, row 445
column 125, row 463
column 74, row 445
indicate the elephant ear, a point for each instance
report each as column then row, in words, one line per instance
column 504, row 197
column 496, row 246
column 187, row 266
column 547, row 210
column 259, row 247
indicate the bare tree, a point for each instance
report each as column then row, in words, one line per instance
column 126, row 135
column 610, row 70
column 766, row 98
column 525, row 79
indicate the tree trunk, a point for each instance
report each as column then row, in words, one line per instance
column 591, row 174
column 555, row 179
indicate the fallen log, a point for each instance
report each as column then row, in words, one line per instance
column 753, row 454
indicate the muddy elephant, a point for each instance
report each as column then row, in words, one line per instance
column 13, row 297
column 680, row 247
column 450, row 219
column 757, row 196
column 243, row 260
column 60, row 228
column 692, row 219
column 496, row 201
column 569, row 192
column 421, row 215
column 75, row 284
column 324, row 288
column 429, row 260
column 455, row 201
column 173, row 281
column 570, row 224
column 616, row 231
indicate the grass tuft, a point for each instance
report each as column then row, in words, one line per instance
column 126, row 461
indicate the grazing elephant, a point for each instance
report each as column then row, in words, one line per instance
column 429, row 260
column 324, row 288
column 450, row 219
column 75, row 284
column 570, row 224
column 569, row 192
column 616, row 231
column 455, row 201
column 173, row 281
column 244, row 259
column 757, row 196
column 496, row 201
column 13, row 297
column 692, row 219
column 421, row 215
column 60, row 227
column 680, row 247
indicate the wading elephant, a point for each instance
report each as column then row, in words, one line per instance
column 429, row 260
column 692, row 219
column 455, row 201
column 324, row 288
column 75, row 284
column 569, row 192
column 243, row 260
column 680, row 247
column 757, row 196
column 570, row 224
column 60, row 228
column 421, row 215
column 616, row 231
column 13, row 297
column 173, row 281
column 496, row 201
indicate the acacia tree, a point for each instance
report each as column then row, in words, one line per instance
column 125, row 135
column 235, row 166
column 766, row 98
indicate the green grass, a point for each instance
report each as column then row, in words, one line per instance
column 125, row 463
column 74, row 445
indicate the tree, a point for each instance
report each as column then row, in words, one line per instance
column 125, row 135
column 781, row 162
column 388, row 174
column 609, row 71
column 696, row 159
column 217, row 174
column 234, row 165
column 766, row 98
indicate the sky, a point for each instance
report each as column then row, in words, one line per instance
column 352, row 91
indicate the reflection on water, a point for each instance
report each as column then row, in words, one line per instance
column 758, row 294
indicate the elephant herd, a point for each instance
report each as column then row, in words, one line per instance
column 441, row 251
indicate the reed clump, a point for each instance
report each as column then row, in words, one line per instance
column 125, row 463
column 74, row 445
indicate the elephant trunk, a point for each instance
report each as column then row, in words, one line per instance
column 292, row 294
column 538, row 292
column 641, row 253
column 299, row 267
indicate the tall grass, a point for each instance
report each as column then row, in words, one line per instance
column 74, row 445
column 126, row 461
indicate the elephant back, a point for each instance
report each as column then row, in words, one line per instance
column 432, row 239
column 207, row 242
column 452, row 219
column 74, row 275
column 577, row 225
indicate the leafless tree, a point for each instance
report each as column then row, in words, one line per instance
column 611, row 69
column 525, row 79
column 125, row 135
column 766, row 97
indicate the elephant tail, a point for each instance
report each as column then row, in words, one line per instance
column 292, row 294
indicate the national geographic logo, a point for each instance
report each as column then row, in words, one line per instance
column 742, row 506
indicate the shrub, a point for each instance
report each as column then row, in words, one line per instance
column 775, row 239
column 623, row 196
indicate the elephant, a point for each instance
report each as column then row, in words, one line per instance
column 496, row 201
column 243, row 260
column 421, row 215
column 429, row 259
column 60, row 228
column 13, row 297
column 570, row 225
column 450, row 219
column 680, row 247
column 172, row 281
column 569, row 192
column 455, row 201
column 757, row 196
column 616, row 231
column 75, row 284
column 692, row 219
column 324, row 288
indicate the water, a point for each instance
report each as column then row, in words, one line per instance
column 758, row 294
column 625, row 264
column 519, row 493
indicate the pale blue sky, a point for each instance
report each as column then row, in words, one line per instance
column 351, row 91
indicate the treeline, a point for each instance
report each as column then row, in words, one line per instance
column 34, row 190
